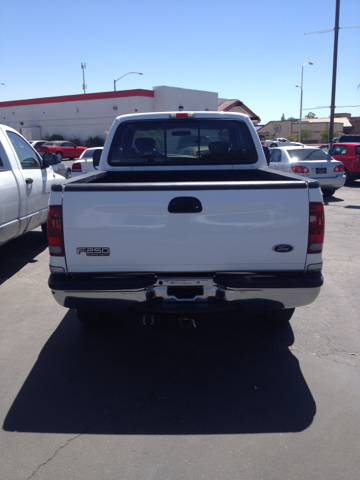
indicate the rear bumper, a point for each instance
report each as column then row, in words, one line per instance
column 333, row 182
column 156, row 293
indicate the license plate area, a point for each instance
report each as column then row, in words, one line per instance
column 321, row 170
column 186, row 292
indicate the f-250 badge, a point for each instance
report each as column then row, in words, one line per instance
column 94, row 251
column 283, row 248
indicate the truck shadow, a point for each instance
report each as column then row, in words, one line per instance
column 227, row 376
column 20, row 251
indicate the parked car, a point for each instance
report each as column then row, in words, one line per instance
column 63, row 149
column 85, row 162
column 37, row 143
column 310, row 162
column 25, row 182
column 349, row 155
column 281, row 142
column 58, row 167
column 348, row 138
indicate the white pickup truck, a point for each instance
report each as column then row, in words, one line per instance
column 25, row 181
column 163, row 228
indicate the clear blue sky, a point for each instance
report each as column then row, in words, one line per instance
column 247, row 50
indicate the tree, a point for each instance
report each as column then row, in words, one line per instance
column 310, row 115
column 282, row 117
column 292, row 138
column 306, row 135
column 291, row 118
column 324, row 134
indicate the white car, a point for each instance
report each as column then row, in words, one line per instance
column 85, row 162
column 310, row 162
column 281, row 142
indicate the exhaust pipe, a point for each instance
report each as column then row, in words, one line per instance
column 187, row 322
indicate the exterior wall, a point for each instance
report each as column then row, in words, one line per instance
column 171, row 98
column 79, row 115
column 93, row 114
column 286, row 127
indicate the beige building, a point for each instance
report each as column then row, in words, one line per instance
column 316, row 125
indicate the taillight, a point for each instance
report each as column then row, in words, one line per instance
column 339, row 168
column 299, row 169
column 76, row 167
column 316, row 227
column 55, row 231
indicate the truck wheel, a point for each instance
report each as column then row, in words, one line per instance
column 59, row 155
column 348, row 176
column 91, row 318
column 273, row 145
column 278, row 316
column 328, row 192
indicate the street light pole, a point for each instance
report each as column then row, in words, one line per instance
column 301, row 95
column 138, row 73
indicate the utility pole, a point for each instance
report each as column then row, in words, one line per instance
column 83, row 66
column 332, row 106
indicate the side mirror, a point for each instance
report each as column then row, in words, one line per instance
column 96, row 157
column 267, row 154
column 50, row 159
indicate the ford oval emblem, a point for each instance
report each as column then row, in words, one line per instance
column 283, row 248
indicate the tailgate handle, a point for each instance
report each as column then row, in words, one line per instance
column 185, row 205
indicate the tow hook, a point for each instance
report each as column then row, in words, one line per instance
column 147, row 320
column 187, row 322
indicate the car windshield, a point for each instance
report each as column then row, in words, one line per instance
column 88, row 153
column 309, row 154
column 179, row 142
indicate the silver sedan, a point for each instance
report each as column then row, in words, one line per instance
column 310, row 162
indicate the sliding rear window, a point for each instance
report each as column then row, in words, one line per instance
column 182, row 142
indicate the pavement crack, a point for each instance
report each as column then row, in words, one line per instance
column 53, row 456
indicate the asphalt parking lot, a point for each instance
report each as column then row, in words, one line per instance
column 231, row 399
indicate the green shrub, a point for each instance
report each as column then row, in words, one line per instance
column 94, row 141
column 306, row 135
column 76, row 140
column 324, row 134
column 53, row 137
column 292, row 138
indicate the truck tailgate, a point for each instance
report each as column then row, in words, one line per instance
column 186, row 230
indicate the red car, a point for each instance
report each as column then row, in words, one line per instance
column 349, row 155
column 62, row 149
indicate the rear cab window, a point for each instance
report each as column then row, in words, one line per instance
column 179, row 142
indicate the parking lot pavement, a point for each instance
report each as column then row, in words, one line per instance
column 232, row 398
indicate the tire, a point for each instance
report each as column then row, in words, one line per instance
column 91, row 318
column 273, row 145
column 329, row 192
column 59, row 155
column 278, row 316
column 349, row 180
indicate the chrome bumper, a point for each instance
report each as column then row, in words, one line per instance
column 246, row 291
